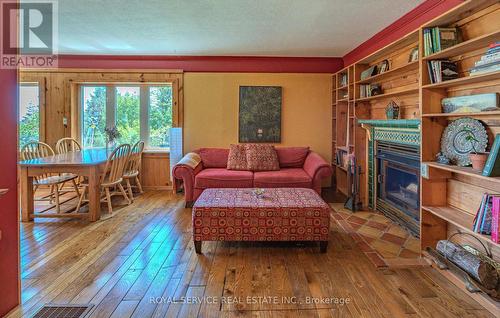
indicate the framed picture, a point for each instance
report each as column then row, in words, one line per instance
column 383, row 66
column 260, row 114
column 413, row 55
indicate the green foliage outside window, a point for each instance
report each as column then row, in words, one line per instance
column 29, row 125
column 94, row 118
column 160, row 116
column 128, row 115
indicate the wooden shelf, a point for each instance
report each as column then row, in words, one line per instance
column 343, row 100
column 467, row 171
column 401, row 92
column 410, row 38
column 465, row 80
column 457, row 217
column 342, row 87
column 486, row 113
column 390, row 73
column 466, row 46
column 345, row 148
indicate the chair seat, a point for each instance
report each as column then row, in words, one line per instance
column 52, row 180
column 131, row 174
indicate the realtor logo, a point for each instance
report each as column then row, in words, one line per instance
column 29, row 34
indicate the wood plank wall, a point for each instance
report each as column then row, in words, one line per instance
column 59, row 98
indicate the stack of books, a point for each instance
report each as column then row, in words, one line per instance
column 437, row 39
column 489, row 62
column 343, row 79
column 342, row 158
column 487, row 217
column 365, row 90
column 442, row 70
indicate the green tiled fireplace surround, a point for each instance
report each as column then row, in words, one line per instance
column 398, row 131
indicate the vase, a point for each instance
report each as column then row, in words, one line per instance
column 110, row 146
column 478, row 160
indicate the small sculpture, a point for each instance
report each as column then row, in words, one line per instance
column 392, row 110
column 442, row 159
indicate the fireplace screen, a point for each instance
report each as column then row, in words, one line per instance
column 398, row 188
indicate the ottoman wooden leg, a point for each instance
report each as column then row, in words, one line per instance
column 323, row 245
column 197, row 247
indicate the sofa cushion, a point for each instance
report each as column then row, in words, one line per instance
column 286, row 178
column 214, row 157
column 223, row 178
column 237, row 159
column 261, row 157
column 292, row 157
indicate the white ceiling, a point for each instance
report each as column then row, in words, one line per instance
column 223, row 27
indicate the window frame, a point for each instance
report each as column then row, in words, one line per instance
column 144, row 111
column 41, row 107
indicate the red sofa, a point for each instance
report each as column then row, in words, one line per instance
column 299, row 168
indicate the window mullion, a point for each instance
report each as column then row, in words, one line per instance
column 144, row 114
column 110, row 106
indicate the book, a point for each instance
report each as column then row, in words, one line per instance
column 485, row 227
column 495, row 219
column 442, row 70
column 479, row 215
column 492, row 166
column 437, row 39
column 446, row 37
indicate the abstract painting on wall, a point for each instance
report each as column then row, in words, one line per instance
column 260, row 114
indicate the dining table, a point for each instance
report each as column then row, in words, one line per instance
column 88, row 163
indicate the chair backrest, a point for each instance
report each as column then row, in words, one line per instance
column 115, row 165
column 65, row 145
column 134, row 161
column 35, row 150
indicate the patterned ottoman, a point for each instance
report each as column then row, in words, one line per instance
column 279, row 214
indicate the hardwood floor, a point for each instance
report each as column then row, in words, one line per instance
column 142, row 263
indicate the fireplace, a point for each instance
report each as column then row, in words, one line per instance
column 398, row 188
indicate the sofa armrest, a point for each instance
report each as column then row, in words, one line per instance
column 186, row 170
column 317, row 168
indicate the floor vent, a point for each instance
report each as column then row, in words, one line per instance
column 63, row 311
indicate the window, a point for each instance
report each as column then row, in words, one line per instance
column 94, row 116
column 160, row 116
column 128, row 114
column 139, row 112
column 29, row 113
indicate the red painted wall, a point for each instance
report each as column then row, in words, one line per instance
column 206, row 63
column 9, row 250
column 404, row 25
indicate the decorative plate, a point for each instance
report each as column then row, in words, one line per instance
column 454, row 144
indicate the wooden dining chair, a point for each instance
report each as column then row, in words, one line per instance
column 65, row 145
column 111, row 178
column 38, row 149
column 133, row 168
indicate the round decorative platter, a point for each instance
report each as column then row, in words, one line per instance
column 454, row 143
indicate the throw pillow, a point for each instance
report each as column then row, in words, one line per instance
column 261, row 157
column 237, row 159
column 292, row 157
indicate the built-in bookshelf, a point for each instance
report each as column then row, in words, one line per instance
column 450, row 195
column 399, row 83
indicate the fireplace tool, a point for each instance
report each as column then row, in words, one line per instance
column 353, row 173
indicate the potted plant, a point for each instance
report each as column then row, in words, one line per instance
column 112, row 134
column 478, row 159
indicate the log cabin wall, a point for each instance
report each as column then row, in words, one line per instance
column 59, row 96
